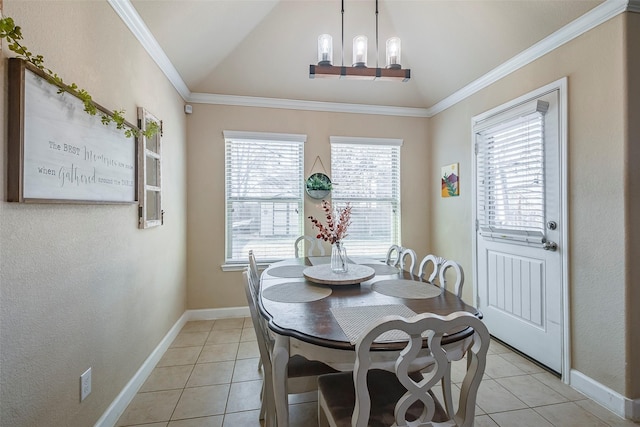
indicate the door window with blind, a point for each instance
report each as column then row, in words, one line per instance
column 366, row 173
column 263, row 194
column 510, row 173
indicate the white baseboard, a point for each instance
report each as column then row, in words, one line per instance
column 118, row 406
column 612, row 400
column 217, row 313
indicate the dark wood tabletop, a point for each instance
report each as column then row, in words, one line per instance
column 314, row 323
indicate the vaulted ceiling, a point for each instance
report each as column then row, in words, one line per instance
column 263, row 48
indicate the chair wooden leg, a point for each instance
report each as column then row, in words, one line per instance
column 263, row 402
column 447, row 393
column 279, row 390
column 268, row 404
column 322, row 417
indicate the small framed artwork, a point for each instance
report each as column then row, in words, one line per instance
column 450, row 181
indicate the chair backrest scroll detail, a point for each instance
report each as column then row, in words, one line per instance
column 411, row 263
column 393, row 255
column 436, row 327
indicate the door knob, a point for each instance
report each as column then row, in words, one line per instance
column 549, row 246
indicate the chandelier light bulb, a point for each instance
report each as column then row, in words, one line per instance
column 360, row 51
column 393, row 53
column 325, row 49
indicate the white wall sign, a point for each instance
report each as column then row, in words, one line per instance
column 60, row 153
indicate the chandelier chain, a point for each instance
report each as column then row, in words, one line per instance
column 342, row 47
column 377, row 49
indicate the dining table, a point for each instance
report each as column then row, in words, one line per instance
column 318, row 314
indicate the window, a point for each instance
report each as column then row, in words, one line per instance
column 510, row 171
column 264, row 194
column 366, row 172
column 149, row 173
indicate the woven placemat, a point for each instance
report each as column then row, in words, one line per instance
column 354, row 320
column 383, row 269
column 402, row 288
column 287, row 271
column 295, row 292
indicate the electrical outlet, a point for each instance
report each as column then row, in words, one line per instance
column 85, row 384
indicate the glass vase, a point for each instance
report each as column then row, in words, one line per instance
column 339, row 258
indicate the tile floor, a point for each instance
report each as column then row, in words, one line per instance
column 209, row 378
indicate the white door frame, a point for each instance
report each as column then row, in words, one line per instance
column 562, row 86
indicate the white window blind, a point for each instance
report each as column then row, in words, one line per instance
column 264, row 195
column 510, row 173
column 366, row 172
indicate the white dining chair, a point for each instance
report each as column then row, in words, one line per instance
column 313, row 244
column 407, row 259
column 459, row 273
column 254, row 273
column 372, row 397
column 253, row 267
column 438, row 275
column 393, row 256
column 301, row 373
column 430, row 264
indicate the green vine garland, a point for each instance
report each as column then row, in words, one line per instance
column 13, row 34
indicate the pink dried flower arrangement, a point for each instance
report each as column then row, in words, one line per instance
column 335, row 230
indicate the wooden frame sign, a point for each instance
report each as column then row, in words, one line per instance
column 57, row 153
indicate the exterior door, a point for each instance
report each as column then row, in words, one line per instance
column 518, row 226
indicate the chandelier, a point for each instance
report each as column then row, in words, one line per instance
column 359, row 70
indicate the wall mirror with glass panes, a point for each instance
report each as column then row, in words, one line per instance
column 150, row 213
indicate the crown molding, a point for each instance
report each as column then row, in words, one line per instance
column 591, row 19
column 136, row 25
column 294, row 104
